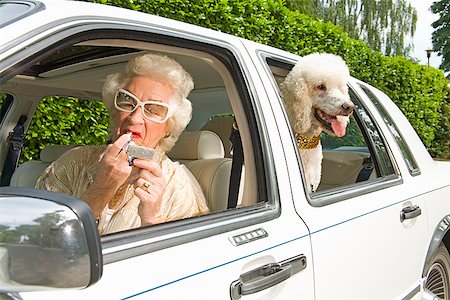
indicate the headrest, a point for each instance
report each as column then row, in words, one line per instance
column 222, row 126
column 194, row 145
column 50, row 153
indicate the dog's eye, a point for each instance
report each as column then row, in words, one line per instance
column 321, row 87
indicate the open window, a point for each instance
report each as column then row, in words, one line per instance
column 69, row 76
column 356, row 162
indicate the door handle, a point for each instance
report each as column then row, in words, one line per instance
column 410, row 212
column 266, row 276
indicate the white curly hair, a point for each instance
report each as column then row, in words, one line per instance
column 163, row 69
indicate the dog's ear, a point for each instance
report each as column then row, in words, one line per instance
column 297, row 100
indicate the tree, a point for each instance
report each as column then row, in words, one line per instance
column 385, row 25
column 441, row 35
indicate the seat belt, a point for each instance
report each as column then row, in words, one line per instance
column 236, row 166
column 15, row 139
column 365, row 172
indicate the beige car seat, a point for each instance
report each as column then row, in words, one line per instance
column 28, row 173
column 203, row 154
column 201, row 151
column 222, row 127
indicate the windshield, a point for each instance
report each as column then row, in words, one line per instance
column 12, row 10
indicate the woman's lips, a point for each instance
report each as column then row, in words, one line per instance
column 134, row 134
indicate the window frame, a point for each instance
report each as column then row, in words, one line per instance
column 338, row 194
column 8, row 102
column 34, row 6
column 127, row 244
column 407, row 154
column 384, row 180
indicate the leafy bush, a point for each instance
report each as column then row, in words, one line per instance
column 419, row 91
column 64, row 121
column 440, row 147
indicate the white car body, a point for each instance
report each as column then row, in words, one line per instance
column 351, row 239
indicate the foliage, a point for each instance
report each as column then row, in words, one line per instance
column 440, row 147
column 384, row 25
column 417, row 90
column 64, row 121
column 441, row 40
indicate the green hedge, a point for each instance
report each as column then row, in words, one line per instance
column 418, row 90
column 65, row 121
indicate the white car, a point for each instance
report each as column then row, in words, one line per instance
column 377, row 228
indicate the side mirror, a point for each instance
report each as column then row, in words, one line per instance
column 47, row 240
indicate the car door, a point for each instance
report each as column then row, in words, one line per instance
column 367, row 220
column 244, row 251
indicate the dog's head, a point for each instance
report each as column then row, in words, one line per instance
column 316, row 94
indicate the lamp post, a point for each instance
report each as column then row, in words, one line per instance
column 428, row 51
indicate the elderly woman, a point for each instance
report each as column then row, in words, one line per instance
column 149, row 107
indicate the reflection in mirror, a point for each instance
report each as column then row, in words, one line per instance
column 42, row 244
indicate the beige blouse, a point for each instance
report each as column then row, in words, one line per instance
column 74, row 170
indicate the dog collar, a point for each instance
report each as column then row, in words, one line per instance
column 306, row 142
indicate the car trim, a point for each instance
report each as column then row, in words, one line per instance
column 215, row 267
column 285, row 243
column 335, row 195
column 363, row 101
column 407, row 154
column 440, row 235
column 124, row 245
column 411, row 294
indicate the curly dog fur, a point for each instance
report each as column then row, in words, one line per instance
column 316, row 97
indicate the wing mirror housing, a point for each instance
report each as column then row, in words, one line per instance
column 47, row 241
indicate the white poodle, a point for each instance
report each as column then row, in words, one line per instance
column 316, row 97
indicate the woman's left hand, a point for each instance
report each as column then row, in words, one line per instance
column 149, row 184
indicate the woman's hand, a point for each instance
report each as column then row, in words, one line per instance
column 150, row 184
column 112, row 171
column 113, row 168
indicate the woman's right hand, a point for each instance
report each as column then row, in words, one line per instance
column 113, row 168
column 112, row 171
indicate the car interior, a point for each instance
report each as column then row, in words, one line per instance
column 79, row 69
column 346, row 160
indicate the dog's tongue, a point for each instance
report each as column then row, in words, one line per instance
column 339, row 125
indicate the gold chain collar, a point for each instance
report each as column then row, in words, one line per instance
column 306, row 142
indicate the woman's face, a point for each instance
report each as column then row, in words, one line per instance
column 145, row 132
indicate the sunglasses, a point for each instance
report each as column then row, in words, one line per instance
column 155, row 111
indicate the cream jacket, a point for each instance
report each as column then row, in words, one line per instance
column 74, row 170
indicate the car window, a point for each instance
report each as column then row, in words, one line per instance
column 12, row 10
column 5, row 104
column 61, row 92
column 406, row 151
column 60, row 120
column 360, row 156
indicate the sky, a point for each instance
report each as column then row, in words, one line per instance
column 422, row 36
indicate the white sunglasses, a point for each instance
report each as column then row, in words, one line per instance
column 155, row 111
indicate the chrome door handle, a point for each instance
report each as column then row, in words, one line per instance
column 410, row 212
column 266, row 276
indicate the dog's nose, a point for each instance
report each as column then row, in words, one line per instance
column 348, row 107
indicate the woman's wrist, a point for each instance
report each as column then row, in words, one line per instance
column 151, row 220
column 97, row 199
